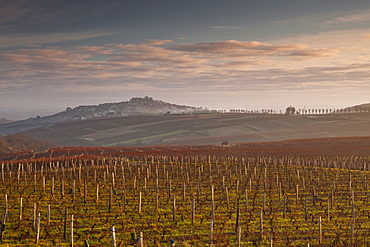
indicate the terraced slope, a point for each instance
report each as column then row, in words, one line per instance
column 202, row 129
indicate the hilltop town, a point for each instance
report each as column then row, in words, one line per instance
column 133, row 107
column 145, row 106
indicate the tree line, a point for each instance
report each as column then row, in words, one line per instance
column 292, row 110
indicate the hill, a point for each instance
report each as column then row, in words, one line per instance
column 202, row 129
column 5, row 121
column 358, row 108
column 21, row 142
column 146, row 106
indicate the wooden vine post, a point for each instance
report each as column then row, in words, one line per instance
column 34, row 216
column 43, row 184
column 237, row 218
column 319, row 230
column 38, row 229
column 297, row 194
column 140, row 240
column 239, row 236
column 261, row 223
column 20, row 209
column 227, row 196
column 71, row 235
column 114, row 243
column 97, row 195
column 211, row 232
column 48, row 216
column 192, row 209
column 73, row 191
column 213, row 210
column 174, row 208
column 139, row 205
column 271, row 241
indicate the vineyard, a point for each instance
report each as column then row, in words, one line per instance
column 287, row 193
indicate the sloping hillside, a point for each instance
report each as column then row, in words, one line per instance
column 202, row 129
column 5, row 121
column 146, row 106
column 22, row 142
column 357, row 108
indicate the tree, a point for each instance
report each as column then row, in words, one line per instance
column 290, row 110
column 225, row 143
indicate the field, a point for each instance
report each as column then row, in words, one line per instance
column 289, row 193
column 202, row 129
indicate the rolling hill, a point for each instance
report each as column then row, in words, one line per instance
column 5, row 121
column 146, row 106
column 21, row 142
column 149, row 122
column 202, row 129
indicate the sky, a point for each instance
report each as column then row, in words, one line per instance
column 219, row 54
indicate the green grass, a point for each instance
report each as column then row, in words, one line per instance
column 143, row 139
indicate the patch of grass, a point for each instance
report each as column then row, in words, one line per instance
column 137, row 140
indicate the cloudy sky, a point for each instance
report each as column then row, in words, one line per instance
column 218, row 54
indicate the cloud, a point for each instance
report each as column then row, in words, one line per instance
column 96, row 50
column 312, row 53
column 156, row 42
column 241, row 64
column 159, row 65
column 28, row 22
column 33, row 16
column 88, row 66
column 22, row 15
column 356, row 17
column 14, row 40
column 11, row 10
column 151, row 53
column 227, row 27
column 234, row 48
column 366, row 37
